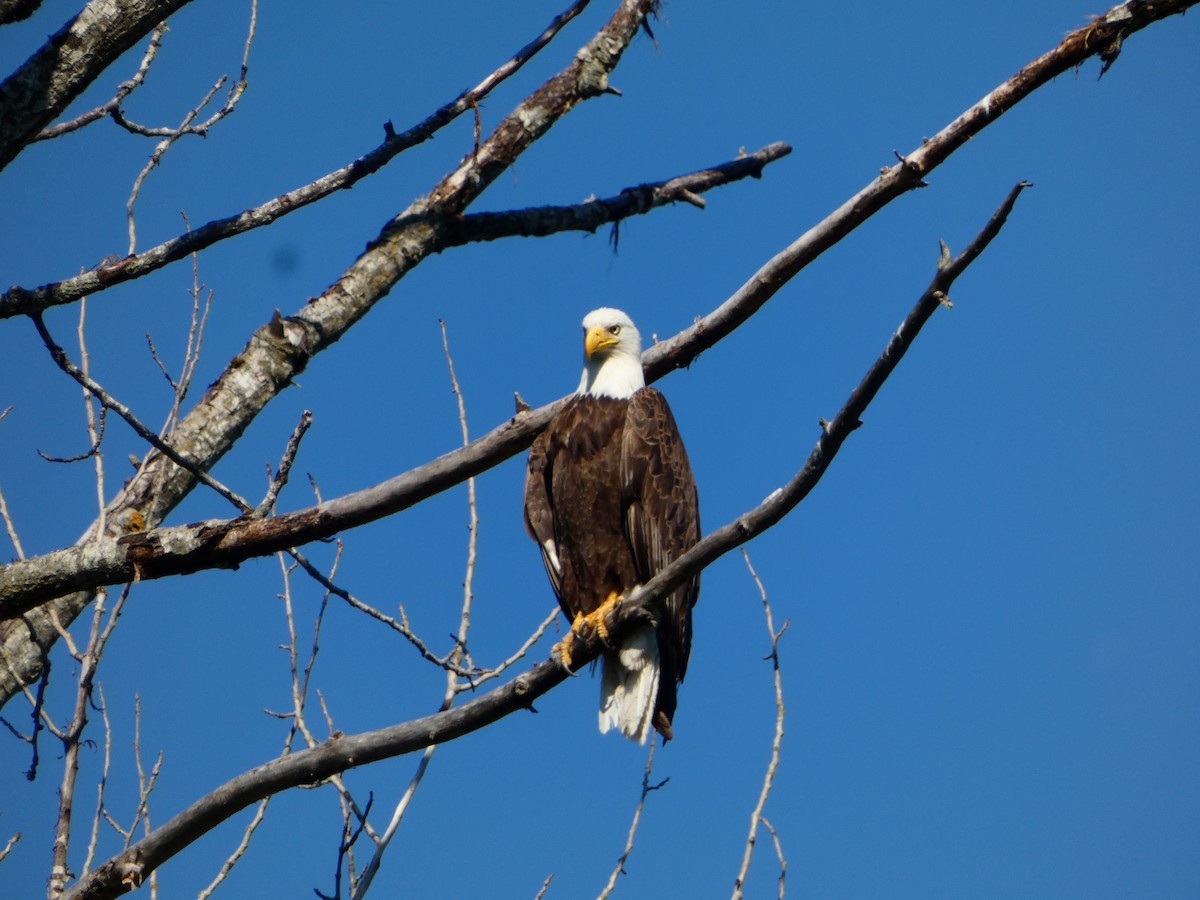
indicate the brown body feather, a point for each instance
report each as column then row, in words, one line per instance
column 610, row 498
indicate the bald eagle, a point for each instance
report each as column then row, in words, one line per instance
column 610, row 500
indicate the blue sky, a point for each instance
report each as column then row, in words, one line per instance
column 990, row 671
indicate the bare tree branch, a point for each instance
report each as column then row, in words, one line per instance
column 18, row 301
column 128, row 869
column 124, row 89
column 647, row 787
column 458, row 656
column 157, row 488
column 110, row 402
column 42, row 88
column 756, row 815
column 778, row 853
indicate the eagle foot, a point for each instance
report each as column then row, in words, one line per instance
column 596, row 618
column 563, row 650
column 563, row 647
column 593, row 622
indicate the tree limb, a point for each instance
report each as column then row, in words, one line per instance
column 130, row 868
column 36, row 93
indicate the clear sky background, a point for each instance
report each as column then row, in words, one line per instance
column 990, row 671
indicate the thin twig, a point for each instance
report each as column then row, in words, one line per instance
column 9, row 525
column 89, row 660
column 756, row 815
column 12, row 842
column 195, row 340
column 171, row 135
column 484, row 675
column 90, row 451
column 64, row 362
column 285, row 466
column 232, row 860
column 779, row 853
column 647, row 787
column 124, row 89
column 106, row 767
column 95, row 430
column 156, row 157
column 400, row 626
column 458, row 655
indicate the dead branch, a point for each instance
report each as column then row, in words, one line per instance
column 458, row 656
column 236, row 90
column 72, row 738
column 541, row 221
column 94, row 388
column 285, row 466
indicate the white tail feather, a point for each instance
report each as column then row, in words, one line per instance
column 629, row 686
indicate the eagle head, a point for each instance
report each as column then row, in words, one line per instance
column 612, row 348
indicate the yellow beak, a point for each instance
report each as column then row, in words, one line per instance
column 596, row 339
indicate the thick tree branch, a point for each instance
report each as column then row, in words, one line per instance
column 35, row 94
column 130, row 868
column 19, row 301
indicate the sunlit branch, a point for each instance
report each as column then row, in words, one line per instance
column 236, row 90
column 156, row 157
column 25, row 656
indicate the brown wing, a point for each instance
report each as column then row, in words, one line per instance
column 662, row 519
column 539, row 514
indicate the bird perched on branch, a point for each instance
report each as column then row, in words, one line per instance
column 610, row 500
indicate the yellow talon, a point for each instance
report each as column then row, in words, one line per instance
column 563, row 649
column 597, row 616
column 593, row 621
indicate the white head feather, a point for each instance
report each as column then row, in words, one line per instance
column 612, row 364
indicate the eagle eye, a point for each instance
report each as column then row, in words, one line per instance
column 615, row 329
